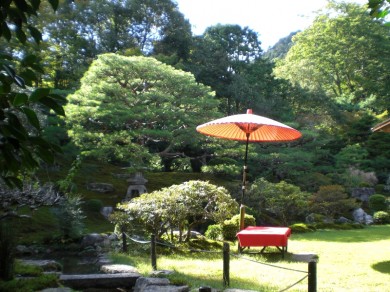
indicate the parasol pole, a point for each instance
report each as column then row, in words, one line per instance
column 245, row 170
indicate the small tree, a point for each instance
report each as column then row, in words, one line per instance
column 180, row 207
column 331, row 201
column 285, row 201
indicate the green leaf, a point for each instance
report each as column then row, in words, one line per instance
column 38, row 94
column 21, row 36
column 9, row 70
column 45, row 155
column 54, row 4
column 58, row 97
column 52, row 104
column 5, row 88
column 28, row 161
column 29, row 60
column 32, row 117
column 5, row 32
column 35, row 4
column 16, row 128
column 19, row 81
column 20, row 99
column 35, row 33
column 28, row 75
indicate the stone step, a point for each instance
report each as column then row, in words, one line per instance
column 123, row 280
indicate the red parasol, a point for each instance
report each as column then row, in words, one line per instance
column 249, row 128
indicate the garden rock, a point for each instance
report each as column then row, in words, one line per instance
column 161, row 273
column 343, row 220
column 158, row 285
column 95, row 239
column 115, row 269
column 359, row 216
column 46, row 265
column 362, row 194
column 106, row 211
column 23, row 250
column 100, row 187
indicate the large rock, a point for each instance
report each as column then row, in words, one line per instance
column 362, row 194
column 46, row 265
column 95, row 239
column 117, row 269
column 157, row 285
column 359, row 216
column 106, row 211
column 100, row 187
column 102, row 281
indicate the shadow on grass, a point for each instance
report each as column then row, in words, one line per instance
column 367, row 234
column 383, row 267
column 215, row 281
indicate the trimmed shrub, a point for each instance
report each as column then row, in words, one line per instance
column 232, row 226
column 301, row 228
column 381, row 217
column 214, row 232
column 377, row 202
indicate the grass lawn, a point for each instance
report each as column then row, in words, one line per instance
column 351, row 260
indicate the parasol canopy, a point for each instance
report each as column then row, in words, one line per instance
column 382, row 127
column 249, row 127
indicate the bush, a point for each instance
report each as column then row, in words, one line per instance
column 301, row 228
column 377, row 202
column 93, row 205
column 381, row 217
column 232, row 226
column 214, row 232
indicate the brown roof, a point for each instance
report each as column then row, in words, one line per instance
column 382, row 127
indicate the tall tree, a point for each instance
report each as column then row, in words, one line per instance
column 342, row 53
column 220, row 56
column 128, row 107
column 81, row 30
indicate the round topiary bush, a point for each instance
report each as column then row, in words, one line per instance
column 381, row 217
column 214, row 232
column 377, row 202
column 232, row 226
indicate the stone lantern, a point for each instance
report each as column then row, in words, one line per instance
column 136, row 187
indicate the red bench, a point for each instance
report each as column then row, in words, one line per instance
column 264, row 236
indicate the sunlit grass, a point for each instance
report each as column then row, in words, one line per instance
column 349, row 260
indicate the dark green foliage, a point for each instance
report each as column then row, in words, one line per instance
column 377, row 202
column 381, row 217
column 7, row 251
column 22, row 103
column 93, row 205
column 332, row 201
column 70, row 217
